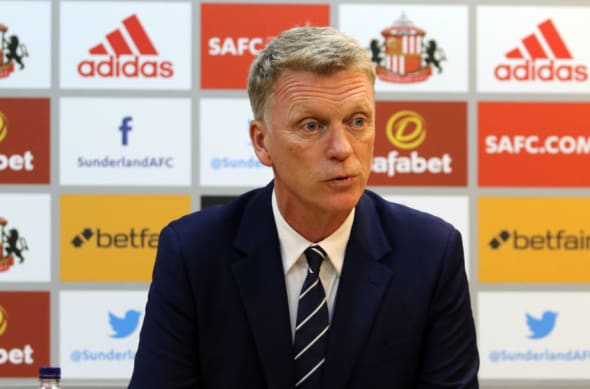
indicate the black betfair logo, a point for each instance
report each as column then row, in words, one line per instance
column 135, row 239
column 84, row 236
column 550, row 240
column 497, row 241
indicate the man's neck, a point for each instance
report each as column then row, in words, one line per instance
column 313, row 226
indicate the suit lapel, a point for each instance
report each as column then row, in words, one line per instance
column 260, row 279
column 362, row 284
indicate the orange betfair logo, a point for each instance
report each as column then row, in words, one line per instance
column 114, row 238
column 229, row 42
column 406, row 130
column 545, row 240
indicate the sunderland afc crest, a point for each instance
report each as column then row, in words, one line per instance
column 11, row 51
column 405, row 55
column 11, row 245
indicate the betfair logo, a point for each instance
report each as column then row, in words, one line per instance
column 550, row 240
column 134, row 239
column 406, row 130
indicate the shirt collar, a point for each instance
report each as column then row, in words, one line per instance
column 293, row 244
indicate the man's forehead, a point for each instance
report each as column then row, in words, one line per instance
column 302, row 80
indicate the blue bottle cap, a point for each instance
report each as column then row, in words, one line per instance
column 49, row 373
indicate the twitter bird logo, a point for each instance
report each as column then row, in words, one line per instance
column 124, row 326
column 542, row 327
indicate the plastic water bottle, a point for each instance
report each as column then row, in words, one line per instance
column 49, row 377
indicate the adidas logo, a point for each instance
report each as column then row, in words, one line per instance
column 125, row 49
column 543, row 56
column 550, row 46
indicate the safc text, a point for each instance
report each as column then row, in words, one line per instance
column 533, row 144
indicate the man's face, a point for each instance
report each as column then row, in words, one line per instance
column 319, row 141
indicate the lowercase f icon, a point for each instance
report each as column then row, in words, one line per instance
column 125, row 128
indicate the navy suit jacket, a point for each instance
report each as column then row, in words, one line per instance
column 217, row 314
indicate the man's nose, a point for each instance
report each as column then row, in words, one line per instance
column 339, row 142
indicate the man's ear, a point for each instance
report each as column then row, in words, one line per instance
column 260, row 138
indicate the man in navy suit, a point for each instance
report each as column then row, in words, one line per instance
column 222, row 310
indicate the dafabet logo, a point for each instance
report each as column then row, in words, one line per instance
column 420, row 143
column 114, row 238
column 534, row 240
column 24, row 141
column 533, row 144
column 229, row 41
column 24, row 333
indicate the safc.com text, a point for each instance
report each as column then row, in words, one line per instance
column 507, row 356
column 533, row 144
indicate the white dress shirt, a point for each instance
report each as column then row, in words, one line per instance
column 293, row 245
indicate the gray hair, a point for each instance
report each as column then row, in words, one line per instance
column 321, row 50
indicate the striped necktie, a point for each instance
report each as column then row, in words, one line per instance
column 311, row 330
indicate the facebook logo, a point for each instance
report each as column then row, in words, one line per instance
column 125, row 127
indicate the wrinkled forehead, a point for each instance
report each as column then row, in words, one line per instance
column 289, row 77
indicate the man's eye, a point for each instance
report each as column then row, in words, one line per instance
column 311, row 126
column 358, row 122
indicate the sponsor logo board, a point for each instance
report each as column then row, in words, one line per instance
column 230, row 42
column 99, row 332
column 420, row 143
column 542, row 49
column 24, row 333
column 25, row 252
column 533, row 335
column 125, row 141
column 413, row 47
column 114, row 237
column 227, row 155
column 24, row 141
column 25, row 44
column 126, row 45
column 534, row 240
column 533, row 144
column 453, row 209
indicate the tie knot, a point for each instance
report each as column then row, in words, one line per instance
column 315, row 255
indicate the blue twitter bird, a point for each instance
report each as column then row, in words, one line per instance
column 540, row 328
column 124, row 326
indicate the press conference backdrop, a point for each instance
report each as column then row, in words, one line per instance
column 118, row 116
